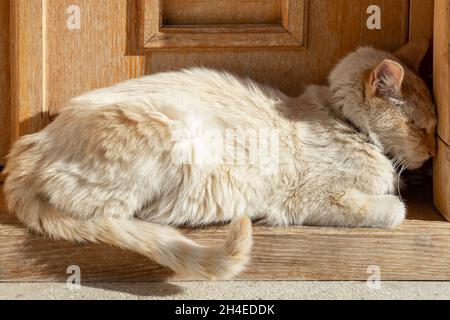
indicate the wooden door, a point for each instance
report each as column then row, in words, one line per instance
column 278, row 42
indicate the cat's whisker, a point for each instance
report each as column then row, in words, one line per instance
column 399, row 182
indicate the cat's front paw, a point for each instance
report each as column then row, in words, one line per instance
column 394, row 212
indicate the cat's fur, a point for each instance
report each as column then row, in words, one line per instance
column 104, row 171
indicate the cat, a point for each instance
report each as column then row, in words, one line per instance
column 127, row 164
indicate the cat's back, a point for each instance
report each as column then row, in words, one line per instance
column 206, row 89
column 119, row 121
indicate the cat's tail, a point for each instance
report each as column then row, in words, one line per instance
column 163, row 244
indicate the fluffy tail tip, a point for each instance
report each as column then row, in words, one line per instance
column 225, row 261
column 239, row 241
column 237, row 248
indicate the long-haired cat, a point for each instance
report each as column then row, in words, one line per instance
column 195, row 147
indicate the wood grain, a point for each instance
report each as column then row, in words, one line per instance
column 182, row 12
column 5, row 81
column 28, row 84
column 441, row 67
column 421, row 26
column 153, row 20
column 418, row 250
column 421, row 19
column 205, row 38
column 441, row 93
column 442, row 179
column 89, row 58
column 51, row 64
column 295, row 19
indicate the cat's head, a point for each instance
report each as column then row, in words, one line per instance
column 382, row 95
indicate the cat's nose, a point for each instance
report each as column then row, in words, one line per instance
column 431, row 146
column 432, row 152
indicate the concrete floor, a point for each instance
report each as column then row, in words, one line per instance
column 228, row 290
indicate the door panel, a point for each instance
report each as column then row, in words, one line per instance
column 193, row 12
column 206, row 24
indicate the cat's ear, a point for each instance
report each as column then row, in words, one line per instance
column 413, row 53
column 386, row 78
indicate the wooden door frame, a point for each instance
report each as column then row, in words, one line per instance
column 441, row 84
column 28, row 76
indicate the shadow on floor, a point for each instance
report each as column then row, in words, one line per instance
column 142, row 289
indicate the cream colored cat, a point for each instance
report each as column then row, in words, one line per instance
column 120, row 164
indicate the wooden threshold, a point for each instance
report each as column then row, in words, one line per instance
column 418, row 250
